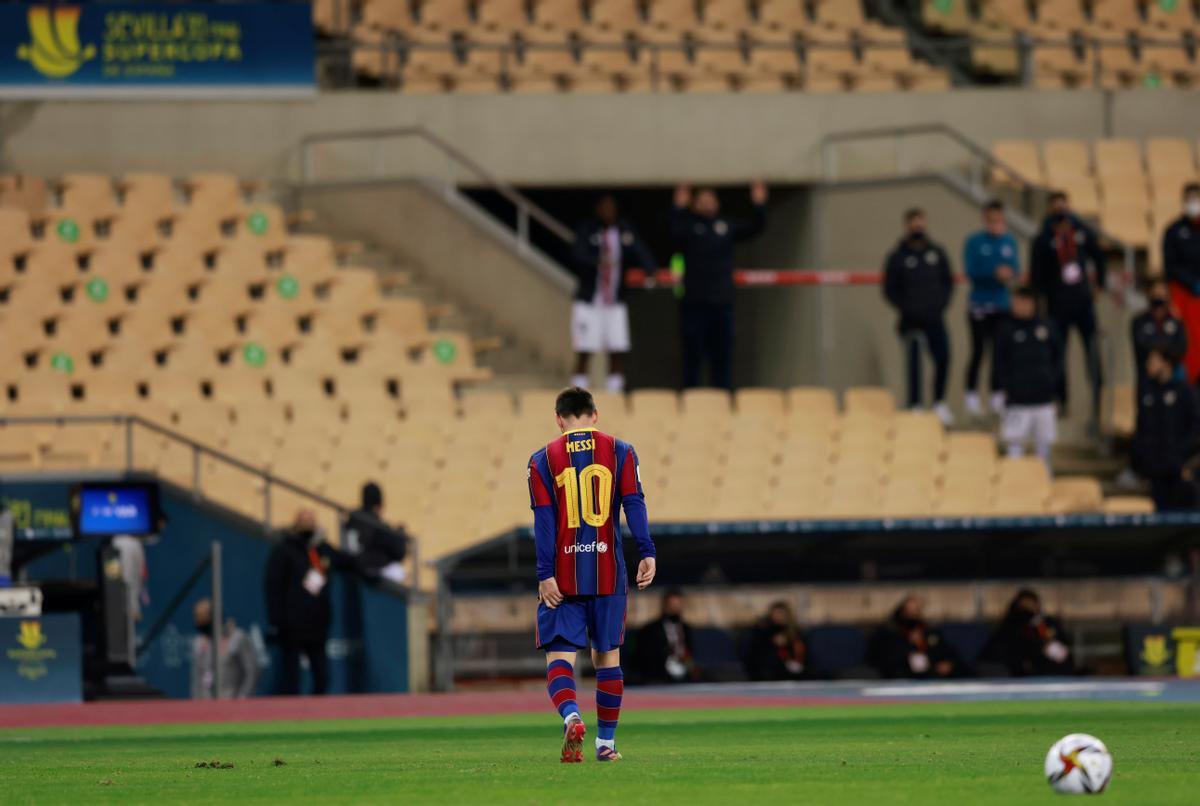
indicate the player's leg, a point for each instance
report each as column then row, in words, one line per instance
column 561, row 632
column 616, row 337
column 610, row 687
column 585, row 339
column 606, row 631
column 560, row 684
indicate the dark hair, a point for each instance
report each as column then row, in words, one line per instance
column 1057, row 195
column 1190, row 188
column 574, row 402
column 372, row 495
column 913, row 212
column 671, row 593
column 1026, row 291
column 994, row 206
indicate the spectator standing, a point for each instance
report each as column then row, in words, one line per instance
column 1168, row 424
column 1067, row 267
column 1181, row 262
column 906, row 646
column 918, row 284
column 1028, row 642
column 605, row 245
column 238, row 658
column 664, row 646
column 1157, row 328
column 706, row 240
column 379, row 549
column 299, row 612
column 1029, row 358
column 991, row 261
column 777, row 650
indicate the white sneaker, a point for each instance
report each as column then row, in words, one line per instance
column 997, row 402
column 974, row 406
column 944, row 414
column 580, row 380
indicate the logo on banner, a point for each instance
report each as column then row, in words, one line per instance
column 54, row 49
column 31, row 658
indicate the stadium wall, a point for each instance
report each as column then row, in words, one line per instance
column 558, row 139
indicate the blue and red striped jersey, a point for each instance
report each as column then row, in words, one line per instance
column 584, row 476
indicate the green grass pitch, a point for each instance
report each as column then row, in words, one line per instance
column 964, row 753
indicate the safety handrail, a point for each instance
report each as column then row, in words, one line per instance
column 526, row 207
column 954, row 134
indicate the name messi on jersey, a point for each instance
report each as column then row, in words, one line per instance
column 585, row 548
column 581, row 445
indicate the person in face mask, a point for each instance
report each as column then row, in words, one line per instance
column 1028, row 642
column 907, row 647
column 1181, row 262
column 1168, row 424
column 1067, row 268
column 918, row 283
column 239, row 658
column 1157, row 328
column 991, row 262
column 299, row 611
column 778, row 649
column 664, row 646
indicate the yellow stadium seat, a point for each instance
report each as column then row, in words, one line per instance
column 1128, row 505
column 1075, row 495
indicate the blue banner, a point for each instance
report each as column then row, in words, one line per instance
column 40, row 659
column 52, row 49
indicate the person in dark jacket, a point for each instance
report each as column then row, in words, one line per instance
column 1181, row 262
column 1157, row 328
column 299, row 612
column 906, row 646
column 1168, row 423
column 1029, row 357
column 664, row 646
column 1067, row 267
column 706, row 240
column 777, row 649
column 379, row 548
column 1028, row 642
column 918, row 283
column 604, row 247
column 991, row 262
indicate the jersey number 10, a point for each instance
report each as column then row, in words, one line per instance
column 596, row 503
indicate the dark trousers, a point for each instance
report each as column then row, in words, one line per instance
column 936, row 340
column 1169, row 493
column 984, row 327
column 1082, row 320
column 289, row 666
column 707, row 338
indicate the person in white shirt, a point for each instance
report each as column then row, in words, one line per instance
column 605, row 246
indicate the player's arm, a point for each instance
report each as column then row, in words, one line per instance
column 544, row 536
column 633, row 501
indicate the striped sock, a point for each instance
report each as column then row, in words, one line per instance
column 560, row 682
column 610, row 685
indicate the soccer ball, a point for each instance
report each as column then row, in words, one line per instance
column 1078, row 765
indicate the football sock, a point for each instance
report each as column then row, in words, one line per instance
column 580, row 380
column 560, row 682
column 610, row 685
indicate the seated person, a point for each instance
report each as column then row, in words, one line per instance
column 906, row 646
column 1028, row 642
column 777, row 648
column 664, row 646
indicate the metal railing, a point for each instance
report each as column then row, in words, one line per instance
column 527, row 211
column 981, row 164
column 270, row 482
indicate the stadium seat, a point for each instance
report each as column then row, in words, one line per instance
column 869, row 400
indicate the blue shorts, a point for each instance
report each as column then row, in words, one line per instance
column 580, row 622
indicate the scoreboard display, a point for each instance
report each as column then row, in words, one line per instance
column 102, row 510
